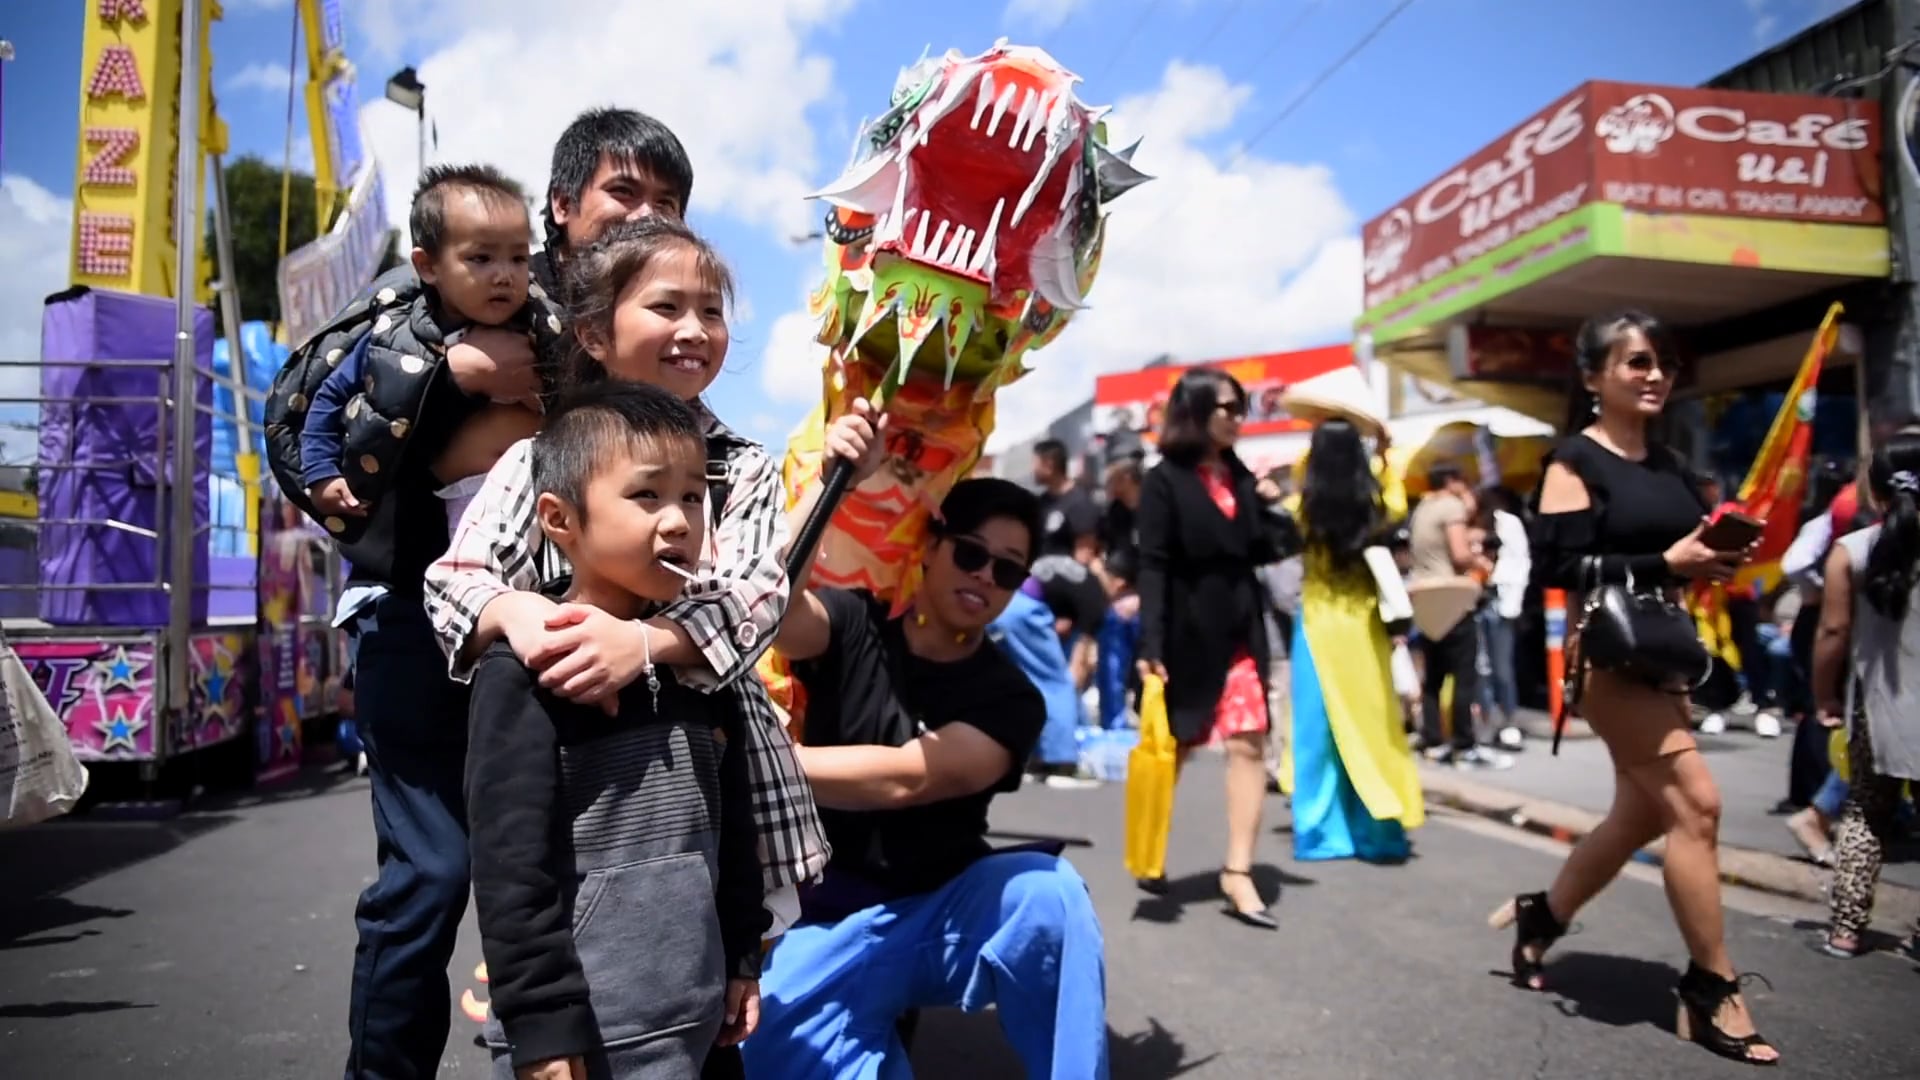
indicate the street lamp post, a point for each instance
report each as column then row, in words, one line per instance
column 406, row 90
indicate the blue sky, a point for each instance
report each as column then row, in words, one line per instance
column 1235, row 248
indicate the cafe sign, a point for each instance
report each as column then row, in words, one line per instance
column 1661, row 150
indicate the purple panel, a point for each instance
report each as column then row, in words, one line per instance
column 233, row 593
column 100, row 460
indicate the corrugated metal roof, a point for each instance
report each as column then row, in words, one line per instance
column 1851, row 43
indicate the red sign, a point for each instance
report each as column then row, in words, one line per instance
column 1134, row 400
column 1650, row 148
column 1509, row 354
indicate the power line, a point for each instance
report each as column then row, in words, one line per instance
column 1319, row 80
column 1133, row 32
column 1281, row 38
column 1219, row 24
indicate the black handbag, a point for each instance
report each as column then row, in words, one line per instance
column 1636, row 633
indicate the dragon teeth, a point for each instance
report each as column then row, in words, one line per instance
column 1000, row 106
column 939, row 235
column 920, row 237
column 1041, row 118
column 1020, row 123
column 983, row 259
column 985, row 99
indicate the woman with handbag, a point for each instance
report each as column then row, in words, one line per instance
column 1356, row 786
column 1204, row 524
column 1621, row 524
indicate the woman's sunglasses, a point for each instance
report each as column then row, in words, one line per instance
column 970, row 555
column 1235, row 409
column 1643, row 363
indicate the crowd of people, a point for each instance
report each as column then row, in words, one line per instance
column 565, row 568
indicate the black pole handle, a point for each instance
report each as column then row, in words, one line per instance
column 839, row 479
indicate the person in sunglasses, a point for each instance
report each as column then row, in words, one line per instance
column 914, row 724
column 1205, row 523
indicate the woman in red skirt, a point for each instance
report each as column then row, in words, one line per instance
column 1204, row 524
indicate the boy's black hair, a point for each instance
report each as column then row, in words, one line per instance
column 972, row 503
column 428, row 219
column 1054, row 453
column 590, row 423
column 1444, row 474
column 625, row 135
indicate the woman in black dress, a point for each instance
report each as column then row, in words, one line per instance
column 1204, row 524
column 1612, row 493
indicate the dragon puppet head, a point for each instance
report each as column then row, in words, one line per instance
column 972, row 213
column 965, row 232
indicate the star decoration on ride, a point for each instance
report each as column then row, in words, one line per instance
column 117, row 730
column 121, row 669
column 215, row 680
column 965, row 232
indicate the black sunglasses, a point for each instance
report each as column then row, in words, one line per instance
column 1642, row 363
column 1235, row 409
column 970, row 555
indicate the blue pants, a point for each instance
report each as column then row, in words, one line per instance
column 1016, row 931
column 1114, row 672
column 413, row 720
column 1498, row 689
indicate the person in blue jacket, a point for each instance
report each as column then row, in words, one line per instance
column 1028, row 634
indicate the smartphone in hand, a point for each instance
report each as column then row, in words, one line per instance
column 1730, row 530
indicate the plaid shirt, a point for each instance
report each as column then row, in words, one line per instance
column 732, row 615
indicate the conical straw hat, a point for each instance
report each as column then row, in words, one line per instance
column 1342, row 393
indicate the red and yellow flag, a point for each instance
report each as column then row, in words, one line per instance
column 1776, row 483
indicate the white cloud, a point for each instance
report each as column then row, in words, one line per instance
column 792, row 362
column 34, row 241
column 1204, row 262
column 733, row 80
column 268, row 78
column 1040, row 14
column 1764, row 19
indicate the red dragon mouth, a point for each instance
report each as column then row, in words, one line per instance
column 988, row 168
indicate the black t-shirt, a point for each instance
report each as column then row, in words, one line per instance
column 855, row 697
column 1064, row 518
column 1071, row 592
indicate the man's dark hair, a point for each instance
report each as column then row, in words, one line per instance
column 973, row 503
column 1441, row 476
column 1054, row 453
column 591, row 423
column 428, row 220
column 627, row 136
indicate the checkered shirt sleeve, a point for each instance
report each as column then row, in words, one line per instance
column 732, row 614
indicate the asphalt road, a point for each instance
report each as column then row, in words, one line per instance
column 218, row 945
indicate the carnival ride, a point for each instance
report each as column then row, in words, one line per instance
column 160, row 617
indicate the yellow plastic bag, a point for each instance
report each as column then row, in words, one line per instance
column 1150, row 777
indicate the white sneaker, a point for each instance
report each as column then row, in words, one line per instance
column 1714, row 724
column 1071, row 783
column 360, row 764
column 1766, row 725
column 1481, row 758
column 1745, row 706
column 1511, row 738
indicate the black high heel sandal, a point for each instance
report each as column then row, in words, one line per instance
column 1535, row 928
column 1701, row 994
column 1258, row 918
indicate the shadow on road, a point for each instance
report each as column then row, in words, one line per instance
column 55, row 857
column 50, row 913
column 1204, row 888
column 951, row 1045
column 54, row 1010
column 1618, row 991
